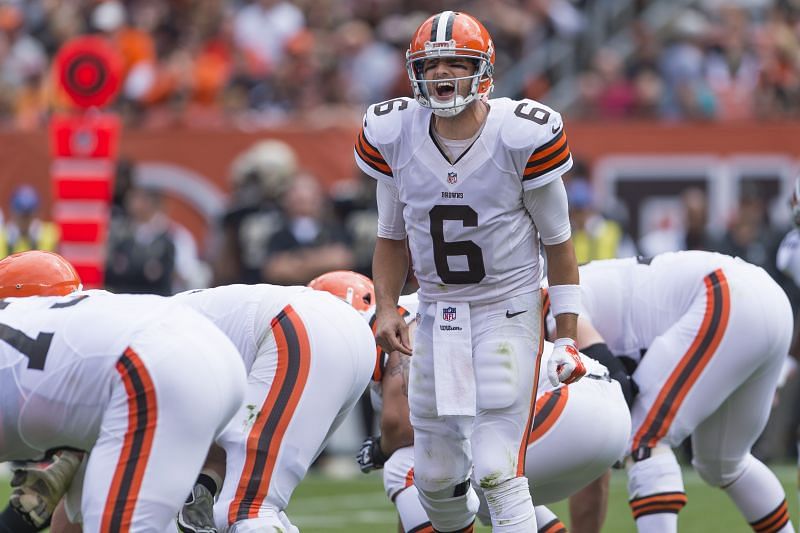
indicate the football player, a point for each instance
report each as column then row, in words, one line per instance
column 707, row 335
column 309, row 358
column 579, row 431
column 105, row 374
column 293, row 341
column 471, row 184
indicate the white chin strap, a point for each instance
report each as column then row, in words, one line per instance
column 459, row 104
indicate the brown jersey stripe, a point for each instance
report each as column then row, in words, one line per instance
column 548, row 408
column 543, row 155
column 553, row 526
column 136, row 446
column 266, row 436
column 523, row 446
column 691, row 365
column 541, row 170
column 376, row 163
column 774, row 521
column 659, row 497
column 422, row 528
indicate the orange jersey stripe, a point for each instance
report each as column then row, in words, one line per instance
column 691, row 365
column 523, row 446
column 370, row 155
column 545, row 306
column 422, row 528
column 551, row 147
column 136, row 446
column 669, row 497
column 553, row 526
column 409, row 478
column 548, row 408
column 548, row 157
column 665, row 502
column 266, row 436
column 774, row 521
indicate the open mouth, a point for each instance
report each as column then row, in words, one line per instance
column 444, row 89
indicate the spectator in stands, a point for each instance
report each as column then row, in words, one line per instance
column 308, row 242
column 141, row 249
column 24, row 230
column 749, row 233
column 689, row 232
column 593, row 235
column 260, row 177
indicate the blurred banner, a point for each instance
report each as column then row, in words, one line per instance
column 83, row 150
column 192, row 166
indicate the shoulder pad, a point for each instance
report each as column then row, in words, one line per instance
column 529, row 124
column 384, row 121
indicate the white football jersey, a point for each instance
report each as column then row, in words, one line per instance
column 241, row 311
column 57, row 363
column 470, row 235
column 634, row 300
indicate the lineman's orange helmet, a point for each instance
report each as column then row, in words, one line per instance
column 37, row 273
column 352, row 287
column 451, row 34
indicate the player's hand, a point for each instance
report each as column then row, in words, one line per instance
column 38, row 486
column 565, row 365
column 370, row 457
column 391, row 332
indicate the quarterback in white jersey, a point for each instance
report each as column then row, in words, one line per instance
column 471, row 184
column 579, row 430
column 708, row 335
column 105, row 373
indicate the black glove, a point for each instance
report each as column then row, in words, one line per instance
column 370, row 457
column 616, row 370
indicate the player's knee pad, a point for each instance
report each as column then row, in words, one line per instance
column 655, row 484
column 451, row 509
column 510, row 505
column 720, row 472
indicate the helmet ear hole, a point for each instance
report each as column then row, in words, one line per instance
column 351, row 287
column 37, row 273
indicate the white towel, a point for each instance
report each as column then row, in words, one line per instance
column 452, row 360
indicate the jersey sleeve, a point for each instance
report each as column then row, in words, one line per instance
column 550, row 157
column 376, row 143
column 370, row 159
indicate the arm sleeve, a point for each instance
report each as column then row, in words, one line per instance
column 549, row 210
column 390, row 212
column 369, row 157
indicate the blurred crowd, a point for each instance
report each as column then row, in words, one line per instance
column 254, row 62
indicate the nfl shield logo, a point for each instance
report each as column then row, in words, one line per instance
column 452, row 177
column 449, row 314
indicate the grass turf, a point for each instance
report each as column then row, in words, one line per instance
column 358, row 505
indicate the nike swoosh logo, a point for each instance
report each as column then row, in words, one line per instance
column 556, row 129
column 512, row 315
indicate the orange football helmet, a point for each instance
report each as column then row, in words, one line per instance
column 352, row 287
column 451, row 34
column 37, row 273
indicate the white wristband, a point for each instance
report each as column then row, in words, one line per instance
column 565, row 299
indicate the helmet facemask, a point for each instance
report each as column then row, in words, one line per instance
column 425, row 91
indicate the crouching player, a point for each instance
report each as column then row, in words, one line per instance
column 578, row 432
column 105, row 374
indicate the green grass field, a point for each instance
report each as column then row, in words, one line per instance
column 358, row 505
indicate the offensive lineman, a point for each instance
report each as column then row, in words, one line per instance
column 470, row 181
column 579, row 431
column 309, row 358
column 707, row 335
column 104, row 373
